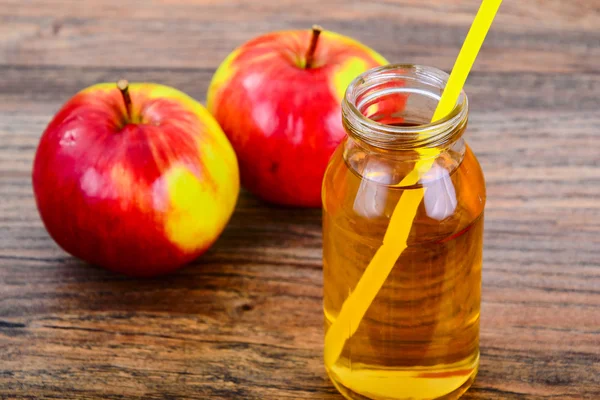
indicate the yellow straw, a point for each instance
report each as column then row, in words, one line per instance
column 394, row 241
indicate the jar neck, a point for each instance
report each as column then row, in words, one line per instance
column 390, row 108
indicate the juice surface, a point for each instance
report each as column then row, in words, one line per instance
column 419, row 338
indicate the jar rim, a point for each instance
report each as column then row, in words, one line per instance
column 432, row 134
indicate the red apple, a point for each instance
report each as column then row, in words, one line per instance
column 139, row 181
column 278, row 100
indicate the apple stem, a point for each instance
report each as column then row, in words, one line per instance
column 123, row 86
column 310, row 54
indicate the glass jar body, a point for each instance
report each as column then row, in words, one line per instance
column 419, row 337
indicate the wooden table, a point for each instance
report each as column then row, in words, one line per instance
column 245, row 320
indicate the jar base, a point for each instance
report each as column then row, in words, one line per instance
column 409, row 386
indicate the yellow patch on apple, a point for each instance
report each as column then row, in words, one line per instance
column 194, row 211
column 345, row 74
column 199, row 209
column 222, row 75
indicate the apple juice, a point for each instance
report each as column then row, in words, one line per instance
column 419, row 338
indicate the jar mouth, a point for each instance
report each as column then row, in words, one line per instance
column 415, row 90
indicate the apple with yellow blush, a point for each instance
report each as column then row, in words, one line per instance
column 138, row 178
column 278, row 99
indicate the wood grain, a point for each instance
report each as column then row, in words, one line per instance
column 245, row 321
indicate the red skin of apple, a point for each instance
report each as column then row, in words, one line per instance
column 284, row 120
column 132, row 197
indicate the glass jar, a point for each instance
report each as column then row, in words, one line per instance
column 415, row 334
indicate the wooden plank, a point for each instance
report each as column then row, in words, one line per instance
column 487, row 91
column 200, row 35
